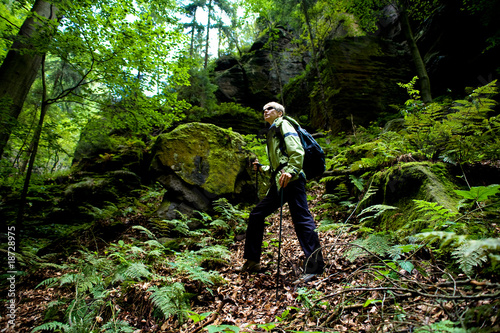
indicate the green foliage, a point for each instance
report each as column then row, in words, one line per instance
column 376, row 244
column 257, row 146
column 413, row 93
column 118, row 326
column 309, row 298
column 377, row 210
column 455, row 131
column 474, row 253
column 231, row 220
column 223, row 328
column 457, row 235
column 442, row 327
column 437, row 215
column 171, row 300
column 190, row 263
column 479, row 193
column 120, row 53
column 53, row 326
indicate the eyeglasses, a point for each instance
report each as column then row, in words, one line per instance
column 269, row 108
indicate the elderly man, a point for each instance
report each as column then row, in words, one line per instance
column 286, row 156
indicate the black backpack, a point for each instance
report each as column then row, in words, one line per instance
column 314, row 158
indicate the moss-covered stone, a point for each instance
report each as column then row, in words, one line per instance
column 203, row 155
column 401, row 184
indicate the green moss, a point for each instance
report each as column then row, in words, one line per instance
column 400, row 185
column 204, row 155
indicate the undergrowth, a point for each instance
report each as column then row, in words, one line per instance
column 93, row 278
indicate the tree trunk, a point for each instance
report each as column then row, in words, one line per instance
column 425, row 85
column 208, row 33
column 19, row 69
column 191, row 47
column 35, row 144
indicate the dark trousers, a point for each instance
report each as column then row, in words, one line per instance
column 294, row 193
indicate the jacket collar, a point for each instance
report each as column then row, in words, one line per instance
column 277, row 122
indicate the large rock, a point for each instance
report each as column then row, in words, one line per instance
column 401, row 184
column 258, row 77
column 360, row 76
column 197, row 163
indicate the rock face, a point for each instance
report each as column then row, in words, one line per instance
column 360, row 76
column 196, row 163
column 260, row 75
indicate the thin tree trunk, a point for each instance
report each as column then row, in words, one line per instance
column 208, row 33
column 36, row 141
column 425, row 84
column 19, row 69
column 191, row 48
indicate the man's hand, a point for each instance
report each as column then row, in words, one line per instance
column 256, row 164
column 284, row 179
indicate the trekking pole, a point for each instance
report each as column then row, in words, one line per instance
column 257, row 182
column 279, row 245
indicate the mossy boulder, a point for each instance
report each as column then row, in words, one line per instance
column 400, row 185
column 197, row 163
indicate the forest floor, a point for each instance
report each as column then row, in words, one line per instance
column 369, row 294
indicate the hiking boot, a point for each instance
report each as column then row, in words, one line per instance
column 250, row 266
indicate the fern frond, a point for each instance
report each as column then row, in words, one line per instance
column 48, row 282
column 376, row 244
column 145, row 231
column 444, row 237
column 152, row 243
column 119, row 326
column 132, row 271
column 369, row 192
column 474, row 253
column 378, row 209
column 136, row 250
column 445, row 326
column 329, row 179
column 52, row 326
column 214, row 253
column 170, row 300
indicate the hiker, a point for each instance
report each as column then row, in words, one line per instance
column 286, row 173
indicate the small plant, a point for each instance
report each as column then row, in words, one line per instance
column 449, row 230
column 171, row 300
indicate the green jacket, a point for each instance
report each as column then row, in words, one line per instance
column 291, row 157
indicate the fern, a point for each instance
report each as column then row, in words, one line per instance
column 145, row 231
column 134, row 271
column 445, row 238
column 52, row 326
column 378, row 209
column 474, row 253
column 189, row 262
column 48, row 282
column 369, row 192
column 441, row 216
column 445, row 326
column 117, row 327
column 376, row 244
column 171, row 300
